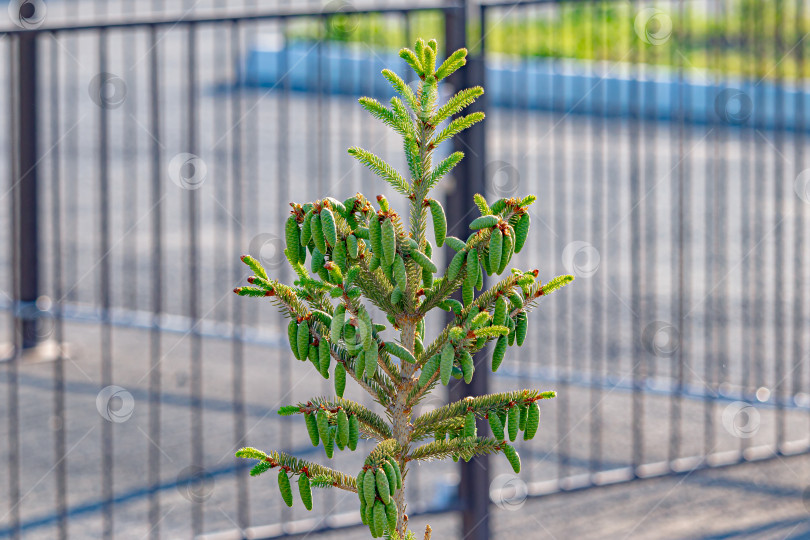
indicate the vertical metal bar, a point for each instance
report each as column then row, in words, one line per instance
column 156, row 241
column 474, row 485
column 27, row 185
column 745, row 225
column 799, row 339
column 597, row 121
column 283, row 133
column 682, row 237
column 648, row 127
column 237, row 354
column 637, row 281
column 104, row 294
column 560, row 312
column 60, row 446
column 192, row 203
column 12, row 367
column 779, row 215
column 710, row 177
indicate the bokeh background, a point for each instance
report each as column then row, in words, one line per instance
column 147, row 144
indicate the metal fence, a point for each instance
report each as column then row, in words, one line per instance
column 666, row 145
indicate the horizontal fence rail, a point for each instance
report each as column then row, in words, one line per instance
column 145, row 150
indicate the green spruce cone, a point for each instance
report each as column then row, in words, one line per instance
column 514, row 422
column 284, row 487
column 340, row 379
column 392, row 477
column 521, row 327
column 502, row 416
column 495, row 249
column 467, row 366
column 400, row 273
column 312, row 353
column 508, row 250
column 352, row 245
column 467, row 293
column 392, row 515
column 499, row 352
column 323, row 426
column 363, row 511
column 496, row 426
column 354, row 432
column 429, row 369
column 361, row 487
column 389, row 241
column 532, row 421
column 292, row 335
column 499, row 318
column 317, row 233
column 397, row 470
column 360, row 364
column 312, row 428
column 306, row 229
column 383, row 489
column 524, row 413
column 510, row 324
column 339, row 257
column 472, row 268
column 375, row 236
column 342, row 428
column 456, row 265
column 399, row 351
column 338, row 320
column 522, row 231
column 469, row 424
column 324, row 358
column 305, row 490
column 479, row 283
column 484, row 222
column 396, row 295
column 371, row 362
column 423, row 261
column 328, row 227
column 439, row 221
column 513, row 457
column 446, row 366
column 293, row 238
column 455, row 244
column 380, row 518
column 370, row 487
column 329, row 444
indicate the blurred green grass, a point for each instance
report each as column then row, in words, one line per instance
column 747, row 38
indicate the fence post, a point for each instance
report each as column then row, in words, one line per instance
column 469, row 179
column 27, row 188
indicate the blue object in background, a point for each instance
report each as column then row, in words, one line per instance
column 561, row 85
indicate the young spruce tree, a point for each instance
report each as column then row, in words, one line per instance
column 360, row 254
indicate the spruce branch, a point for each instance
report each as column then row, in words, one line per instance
column 372, row 421
column 480, row 405
column 457, row 126
column 464, row 447
column 456, row 104
column 382, row 169
column 297, row 466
